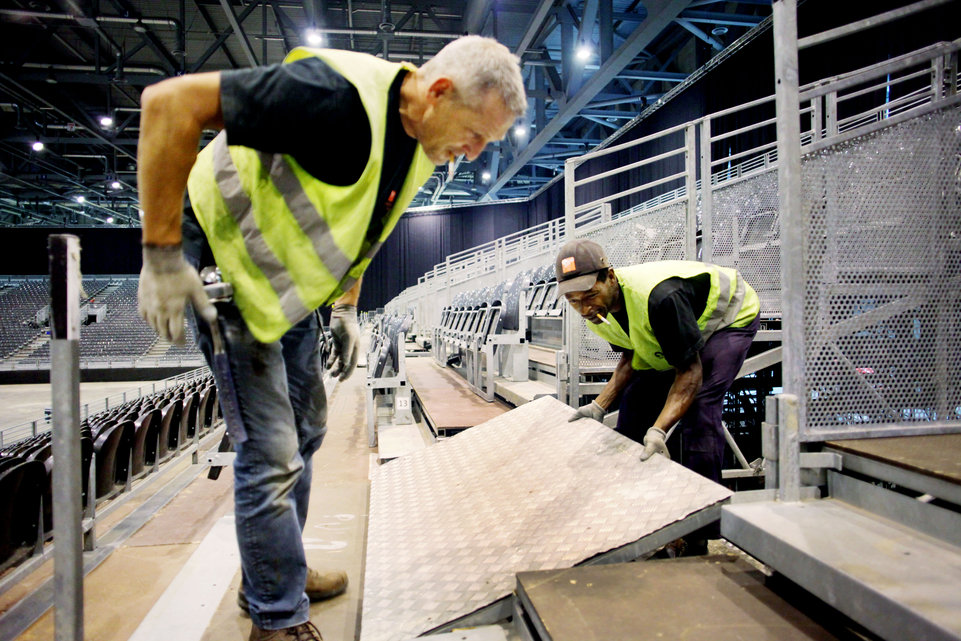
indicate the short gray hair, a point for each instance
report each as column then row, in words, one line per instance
column 477, row 65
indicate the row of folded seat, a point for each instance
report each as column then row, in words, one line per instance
column 123, row 444
column 384, row 353
column 474, row 315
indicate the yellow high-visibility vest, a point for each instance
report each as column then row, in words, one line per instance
column 286, row 241
column 731, row 302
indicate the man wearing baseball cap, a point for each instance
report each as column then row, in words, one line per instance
column 683, row 329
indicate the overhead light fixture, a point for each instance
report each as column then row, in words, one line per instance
column 106, row 121
column 520, row 131
column 109, row 219
column 486, row 176
column 115, row 185
column 313, row 37
column 719, row 31
column 140, row 213
column 80, row 199
column 37, row 146
column 584, row 52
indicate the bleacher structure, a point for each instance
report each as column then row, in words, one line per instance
column 119, row 446
column 845, row 219
column 387, row 391
column 114, row 334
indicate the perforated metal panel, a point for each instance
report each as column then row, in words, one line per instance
column 882, row 225
column 637, row 238
column 746, row 234
column 451, row 525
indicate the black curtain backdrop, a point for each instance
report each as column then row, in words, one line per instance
column 422, row 240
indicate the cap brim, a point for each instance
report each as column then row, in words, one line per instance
column 576, row 284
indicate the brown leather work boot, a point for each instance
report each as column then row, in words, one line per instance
column 325, row 585
column 303, row 632
column 320, row 586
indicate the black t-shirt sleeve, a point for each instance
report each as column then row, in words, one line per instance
column 304, row 109
column 674, row 306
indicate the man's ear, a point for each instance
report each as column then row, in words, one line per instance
column 440, row 87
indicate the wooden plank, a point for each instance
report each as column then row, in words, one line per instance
column 937, row 455
column 447, row 399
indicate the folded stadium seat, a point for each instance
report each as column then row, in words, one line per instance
column 42, row 451
column 113, row 448
column 396, row 349
column 510, row 320
column 188, row 417
column 21, row 491
column 208, row 396
column 145, row 430
column 169, row 429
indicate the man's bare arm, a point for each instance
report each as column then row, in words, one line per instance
column 175, row 113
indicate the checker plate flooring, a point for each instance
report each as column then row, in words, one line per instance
column 451, row 525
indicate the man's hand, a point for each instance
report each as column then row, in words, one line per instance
column 591, row 410
column 654, row 444
column 167, row 282
column 346, row 335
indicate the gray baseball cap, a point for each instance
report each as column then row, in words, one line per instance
column 577, row 264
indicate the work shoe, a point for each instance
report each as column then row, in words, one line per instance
column 320, row 586
column 303, row 632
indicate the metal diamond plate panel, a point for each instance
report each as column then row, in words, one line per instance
column 451, row 525
column 882, row 219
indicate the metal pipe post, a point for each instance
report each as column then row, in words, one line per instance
column 64, row 253
column 789, row 196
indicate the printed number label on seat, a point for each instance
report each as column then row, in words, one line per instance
column 402, row 403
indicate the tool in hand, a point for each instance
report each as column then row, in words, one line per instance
column 219, row 292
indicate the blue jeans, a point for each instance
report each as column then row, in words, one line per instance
column 283, row 404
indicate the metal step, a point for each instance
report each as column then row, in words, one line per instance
column 894, row 580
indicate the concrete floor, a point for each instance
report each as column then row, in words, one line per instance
column 124, row 589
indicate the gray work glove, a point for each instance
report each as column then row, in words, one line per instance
column 167, row 282
column 654, row 444
column 346, row 334
column 591, row 410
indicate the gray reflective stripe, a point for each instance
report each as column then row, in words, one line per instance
column 311, row 222
column 239, row 205
column 725, row 312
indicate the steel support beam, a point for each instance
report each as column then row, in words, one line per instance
column 660, row 14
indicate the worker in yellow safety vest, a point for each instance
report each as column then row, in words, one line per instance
column 316, row 160
column 683, row 329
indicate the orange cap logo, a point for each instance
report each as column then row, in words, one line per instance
column 568, row 265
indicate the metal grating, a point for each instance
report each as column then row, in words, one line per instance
column 746, row 234
column 639, row 238
column 451, row 525
column 882, row 228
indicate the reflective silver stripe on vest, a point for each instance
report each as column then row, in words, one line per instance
column 239, row 205
column 725, row 312
column 311, row 222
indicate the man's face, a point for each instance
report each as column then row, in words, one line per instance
column 598, row 300
column 450, row 128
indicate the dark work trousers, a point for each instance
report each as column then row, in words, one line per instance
column 698, row 442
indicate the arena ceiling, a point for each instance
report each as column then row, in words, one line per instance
column 591, row 66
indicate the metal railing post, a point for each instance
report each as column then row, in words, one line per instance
column 64, row 252
column 707, row 191
column 690, row 183
column 789, row 197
